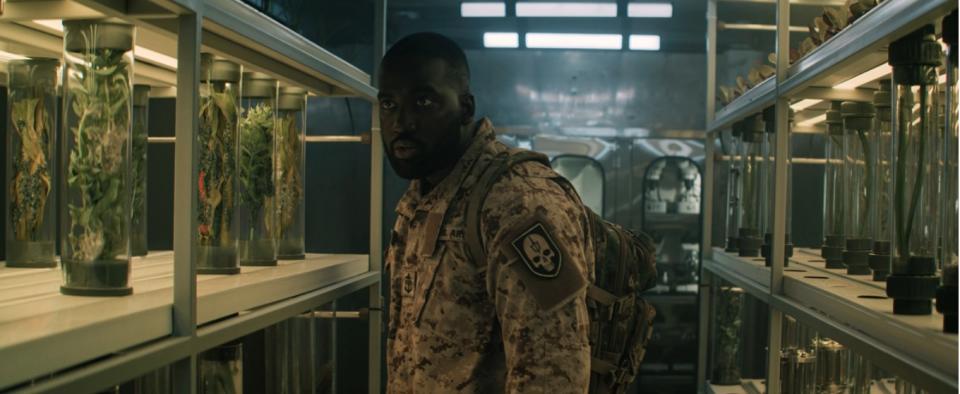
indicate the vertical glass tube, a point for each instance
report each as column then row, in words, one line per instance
column 769, row 118
column 753, row 182
column 220, row 370
column 832, row 366
column 912, row 281
column 947, row 293
column 95, row 208
column 858, row 168
column 833, row 189
column 653, row 202
column 733, row 190
column 138, row 154
column 728, row 303
column 879, row 259
column 256, row 216
column 216, row 171
column 31, row 139
column 291, row 126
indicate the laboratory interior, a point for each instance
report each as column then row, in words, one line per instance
column 198, row 197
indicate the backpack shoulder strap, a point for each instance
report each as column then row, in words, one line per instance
column 478, row 194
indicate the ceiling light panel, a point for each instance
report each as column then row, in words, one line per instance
column 865, row 78
column 574, row 41
column 483, row 10
column 650, row 10
column 804, row 104
column 567, row 10
column 812, row 121
column 501, row 40
column 641, row 42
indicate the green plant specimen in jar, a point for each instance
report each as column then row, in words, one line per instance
column 255, row 171
column 98, row 105
column 220, row 370
column 726, row 336
column 289, row 200
column 216, row 175
column 30, row 237
column 138, row 154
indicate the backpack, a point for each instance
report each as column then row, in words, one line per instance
column 620, row 319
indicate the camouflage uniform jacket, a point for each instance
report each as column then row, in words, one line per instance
column 517, row 322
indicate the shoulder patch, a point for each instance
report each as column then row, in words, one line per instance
column 539, row 252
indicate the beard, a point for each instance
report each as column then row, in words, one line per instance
column 427, row 160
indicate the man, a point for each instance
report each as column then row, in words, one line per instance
column 514, row 322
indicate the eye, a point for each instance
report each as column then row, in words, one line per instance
column 424, row 102
column 387, row 105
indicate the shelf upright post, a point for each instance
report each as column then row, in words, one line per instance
column 185, row 188
column 375, row 351
column 780, row 196
column 706, row 235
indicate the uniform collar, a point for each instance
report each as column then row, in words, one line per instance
column 444, row 191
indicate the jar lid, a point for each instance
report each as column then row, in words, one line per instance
column 216, row 69
column 262, row 88
column 857, row 109
column 881, row 98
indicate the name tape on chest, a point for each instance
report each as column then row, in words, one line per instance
column 539, row 252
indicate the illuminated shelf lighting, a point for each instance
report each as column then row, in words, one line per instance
column 640, row 42
column 812, row 121
column 804, row 104
column 650, row 10
column 501, row 40
column 483, row 10
column 574, row 41
column 567, row 10
column 865, row 78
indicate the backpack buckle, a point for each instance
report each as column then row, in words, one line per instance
column 619, row 306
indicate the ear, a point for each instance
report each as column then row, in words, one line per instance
column 467, row 108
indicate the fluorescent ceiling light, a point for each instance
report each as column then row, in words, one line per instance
column 812, row 121
column 155, row 57
column 55, row 24
column 804, row 104
column 7, row 56
column 640, row 42
column 501, row 40
column 483, row 10
column 759, row 27
column 574, row 41
column 865, row 78
column 570, row 10
column 650, row 10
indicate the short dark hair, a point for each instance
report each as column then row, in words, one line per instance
column 428, row 45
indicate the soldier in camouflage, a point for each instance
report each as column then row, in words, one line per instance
column 516, row 322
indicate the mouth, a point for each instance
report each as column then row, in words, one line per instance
column 405, row 149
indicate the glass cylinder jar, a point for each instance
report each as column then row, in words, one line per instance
column 733, row 189
column 95, row 215
column 291, row 126
column 217, row 167
column 653, row 202
column 220, row 370
column 138, row 155
column 725, row 366
column 879, row 259
column 912, row 281
column 951, row 213
column 832, row 366
column 256, row 218
column 753, row 182
column 833, row 189
column 770, row 140
column 858, row 172
column 31, row 138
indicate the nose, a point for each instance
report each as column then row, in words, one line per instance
column 405, row 122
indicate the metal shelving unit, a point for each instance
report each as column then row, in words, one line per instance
column 84, row 344
column 845, row 308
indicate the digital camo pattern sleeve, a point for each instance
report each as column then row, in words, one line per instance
column 536, row 238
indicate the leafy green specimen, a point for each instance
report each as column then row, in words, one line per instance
column 138, row 146
column 866, row 196
column 100, row 99
column 256, row 162
column 217, row 137
column 289, row 178
column 30, row 180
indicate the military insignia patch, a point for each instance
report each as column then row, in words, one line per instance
column 539, row 252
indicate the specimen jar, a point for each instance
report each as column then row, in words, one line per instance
column 770, row 141
column 858, row 169
column 879, row 259
column 31, row 138
column 752, row 189
column 733, row 188
column 291, row 126
column 138, row 155
column 653, row 202
column 220, row 370
column 728, row 303
column 256, row 216
column 833, row 189
column 217, row 167
column 912, row 281
column 950, row 210
column 832, row 366
column 95, row 210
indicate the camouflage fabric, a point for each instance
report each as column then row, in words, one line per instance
column 458, row 325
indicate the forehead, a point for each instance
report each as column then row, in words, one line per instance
column 413, row 73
